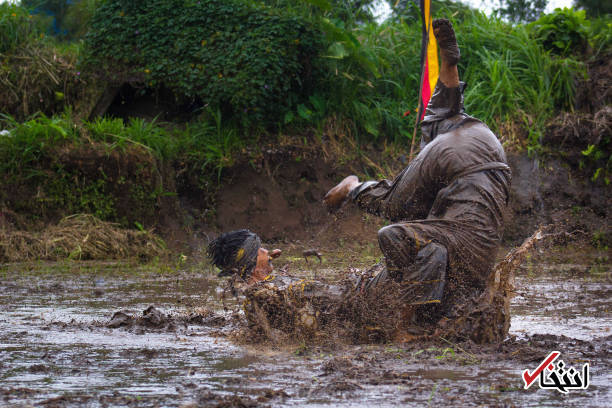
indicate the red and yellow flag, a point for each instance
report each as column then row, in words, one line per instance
column 429, row 58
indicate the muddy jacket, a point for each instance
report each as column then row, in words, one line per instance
column 453, row 193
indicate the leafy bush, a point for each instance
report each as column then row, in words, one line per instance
column 378, row 81
column 251, row 61
column 369, row 79
column 563, row 32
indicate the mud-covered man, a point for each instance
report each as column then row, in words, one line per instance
column 447, row 205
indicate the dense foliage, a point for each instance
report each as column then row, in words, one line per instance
column 564, row 32
column 253, row 62
column 255, row 69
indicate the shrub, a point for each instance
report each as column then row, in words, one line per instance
column 251, row 61
column 563, row 32
column 369, row 79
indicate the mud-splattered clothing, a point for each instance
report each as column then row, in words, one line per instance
column 447, row 206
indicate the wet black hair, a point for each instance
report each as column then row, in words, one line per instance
column 235, row 252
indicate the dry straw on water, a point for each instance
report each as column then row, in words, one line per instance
column 79, row 236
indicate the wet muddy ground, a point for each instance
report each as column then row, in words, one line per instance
column 57, row 346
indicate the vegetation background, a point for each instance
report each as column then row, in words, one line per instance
column 226, row 76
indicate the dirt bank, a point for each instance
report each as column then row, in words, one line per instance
column 277, row 193
column 280, row 198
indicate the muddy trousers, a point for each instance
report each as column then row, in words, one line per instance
column 418, row 265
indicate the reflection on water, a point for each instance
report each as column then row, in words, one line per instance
column 52, row 345
column 563, row 300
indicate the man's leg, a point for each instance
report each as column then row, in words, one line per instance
column 447, row 99
column 449, row 52
column 418, row 264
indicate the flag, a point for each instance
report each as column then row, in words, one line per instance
column 429, row 58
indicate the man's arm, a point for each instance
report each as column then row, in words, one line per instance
column 406, row 197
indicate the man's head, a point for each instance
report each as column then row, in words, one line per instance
column 240, row 252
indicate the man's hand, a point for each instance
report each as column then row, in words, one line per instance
column 337, row 195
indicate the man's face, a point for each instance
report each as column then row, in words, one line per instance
column 263, row 267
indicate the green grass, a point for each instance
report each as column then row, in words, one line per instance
column 205, row 144
column 47, row 169
column 511, row 77
column 16, row 27
column 27, row 143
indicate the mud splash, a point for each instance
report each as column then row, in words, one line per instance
column 56, row 348
column 319, row 313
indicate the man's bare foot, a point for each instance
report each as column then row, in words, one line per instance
column 449, row 50
column 337, row 195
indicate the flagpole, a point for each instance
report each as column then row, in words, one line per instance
column 418, row 115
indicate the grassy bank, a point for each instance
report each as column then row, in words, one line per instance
column 118, row 171
column 312, row 73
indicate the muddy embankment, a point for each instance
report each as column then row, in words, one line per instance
column 279, row 195
column 280, row 199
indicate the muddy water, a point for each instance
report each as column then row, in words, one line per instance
column 56, row 351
